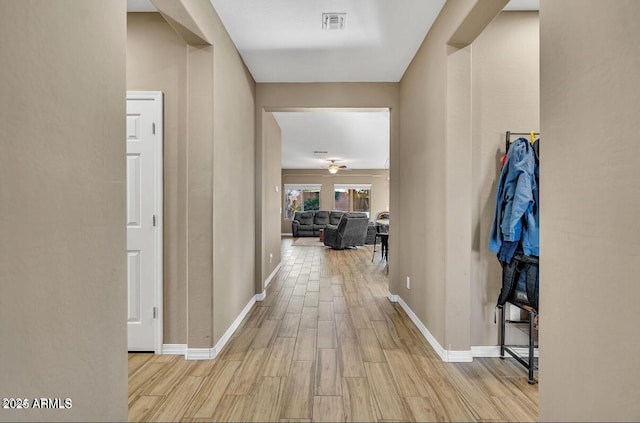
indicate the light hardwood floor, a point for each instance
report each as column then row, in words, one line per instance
column 327, row 345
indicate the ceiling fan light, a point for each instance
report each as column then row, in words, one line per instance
column 333, row 168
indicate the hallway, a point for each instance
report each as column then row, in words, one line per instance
column 327, row 345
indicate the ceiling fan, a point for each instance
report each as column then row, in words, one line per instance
column 333, row 167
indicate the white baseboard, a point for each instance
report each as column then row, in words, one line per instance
column 271, row 276
column 287, row 234
column 174, row 349
column 234, row 326
column 211, row 353
column 487, row 351
column 450, row 356
column 200, row 354
column 460, row 356
column 261, row 296
column 494, row 351
column 523, row 351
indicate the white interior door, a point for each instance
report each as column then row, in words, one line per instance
column 144, row 220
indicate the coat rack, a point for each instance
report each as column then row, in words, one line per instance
column 529, row 362
column 531, row 134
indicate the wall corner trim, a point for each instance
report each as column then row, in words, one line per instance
column 174, row 349
column 200, row 353
column 486, row 351
column 269, row 279
column 449, row 356
column 211, row 353
column 489, row 351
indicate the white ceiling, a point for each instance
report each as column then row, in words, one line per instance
column 359, row 140
column 283, row 41
column 140, row 6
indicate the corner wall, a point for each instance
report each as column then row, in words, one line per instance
column 506, row 96
column 62, row 200
column 436, row 228
column 590, row 231
column 272, row 198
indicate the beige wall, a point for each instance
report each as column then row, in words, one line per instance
column 299, row 96
column 378, row 178
column 590, row 232
column 272, row 197
column 157, row 60
column 234, row 182
column 62, row 221
column 506, row 96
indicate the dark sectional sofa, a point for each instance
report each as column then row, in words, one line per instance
column 309, row 223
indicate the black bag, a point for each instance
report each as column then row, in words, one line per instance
column 520, row 282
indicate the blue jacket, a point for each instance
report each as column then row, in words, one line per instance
column 516, row 215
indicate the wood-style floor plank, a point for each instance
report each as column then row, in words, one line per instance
column 425, row 410
column 384, row 335
column 244, row 382
column 255, row 317
column 327, row 345
column 206, row 400
column 309, row 319
column 328, row 380
column 239, row 344
column 295, row 305
column 385, row 392
column 351, row 363
column 281, row 357
column 344, row 326
column 340, row 305
column 297, row 397
column 266, row 405
column 326, row 335
column 328, row 409
column 137, row 360
column 147, row 376
column 358, row 400
column 325, row 311
column 140, row 409
column 175, row 406
column 370, row 346
column 410, row 382
column 305, row 349
column 232, row 408
column 289, row 326
column 266, row 334
column 359, row 318
column 311, row 299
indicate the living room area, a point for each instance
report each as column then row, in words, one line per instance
column 335, row 163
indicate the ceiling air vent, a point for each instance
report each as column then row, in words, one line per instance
column 332, row 21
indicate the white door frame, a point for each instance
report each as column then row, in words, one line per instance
column 157, row 98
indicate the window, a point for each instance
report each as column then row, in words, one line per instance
column 350, row 197
column 300, row 198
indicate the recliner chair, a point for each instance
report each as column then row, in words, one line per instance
column 350, row 232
